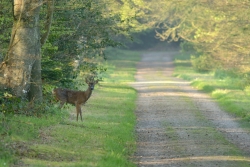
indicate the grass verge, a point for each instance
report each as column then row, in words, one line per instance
column 226, row 89
column 105, row 137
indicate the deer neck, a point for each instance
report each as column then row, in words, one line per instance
column 89, row 92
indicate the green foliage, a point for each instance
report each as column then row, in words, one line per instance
column 203, row 63
column 143, row 40
column 79, row 34
column 203, row 86
column 223, row 74
column 5, row 26
column 187, row 46
column 233, row 76
column 78, row 37
column 216, row 29
column 229, row 87
column 12, row 105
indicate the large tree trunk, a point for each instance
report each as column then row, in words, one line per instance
column 21, row 69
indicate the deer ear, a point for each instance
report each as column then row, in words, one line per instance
column 96, row 81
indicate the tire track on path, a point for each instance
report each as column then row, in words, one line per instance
column 179, row 126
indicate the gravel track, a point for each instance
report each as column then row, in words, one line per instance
column 180, row 126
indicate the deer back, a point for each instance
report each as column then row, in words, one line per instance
column 71, row 96
column 61, row 94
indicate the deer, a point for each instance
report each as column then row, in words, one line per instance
column 76, row 98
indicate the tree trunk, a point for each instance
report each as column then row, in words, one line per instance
column 35, row 92
column 21, row 69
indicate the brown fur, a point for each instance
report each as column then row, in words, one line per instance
column 76, row 98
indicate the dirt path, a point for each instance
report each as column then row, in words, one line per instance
column 179, row 126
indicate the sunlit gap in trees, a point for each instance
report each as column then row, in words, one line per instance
column 158, row 82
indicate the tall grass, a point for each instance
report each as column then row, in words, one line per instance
column 229, row 89
column 104, row 138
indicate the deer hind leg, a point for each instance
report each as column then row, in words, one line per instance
column 62, row 103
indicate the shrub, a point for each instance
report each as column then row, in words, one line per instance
column 187, row 46
column 203, row 63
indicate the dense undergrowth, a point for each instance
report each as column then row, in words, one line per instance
column 53, row 137
column 230, row 89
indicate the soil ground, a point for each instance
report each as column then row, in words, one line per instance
column 180, row 126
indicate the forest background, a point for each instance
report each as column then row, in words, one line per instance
column 50, row 43
column 47, row 43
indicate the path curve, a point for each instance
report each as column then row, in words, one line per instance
column 180, row 126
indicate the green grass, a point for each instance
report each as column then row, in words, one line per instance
column 105, row 137
column 229, row 90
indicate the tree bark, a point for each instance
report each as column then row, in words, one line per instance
column 21, row 69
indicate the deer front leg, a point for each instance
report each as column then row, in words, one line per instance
column 81, row 112
column 78, row 111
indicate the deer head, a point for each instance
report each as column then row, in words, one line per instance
column 91, row 82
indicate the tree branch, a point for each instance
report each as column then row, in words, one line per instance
column 50, row 11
